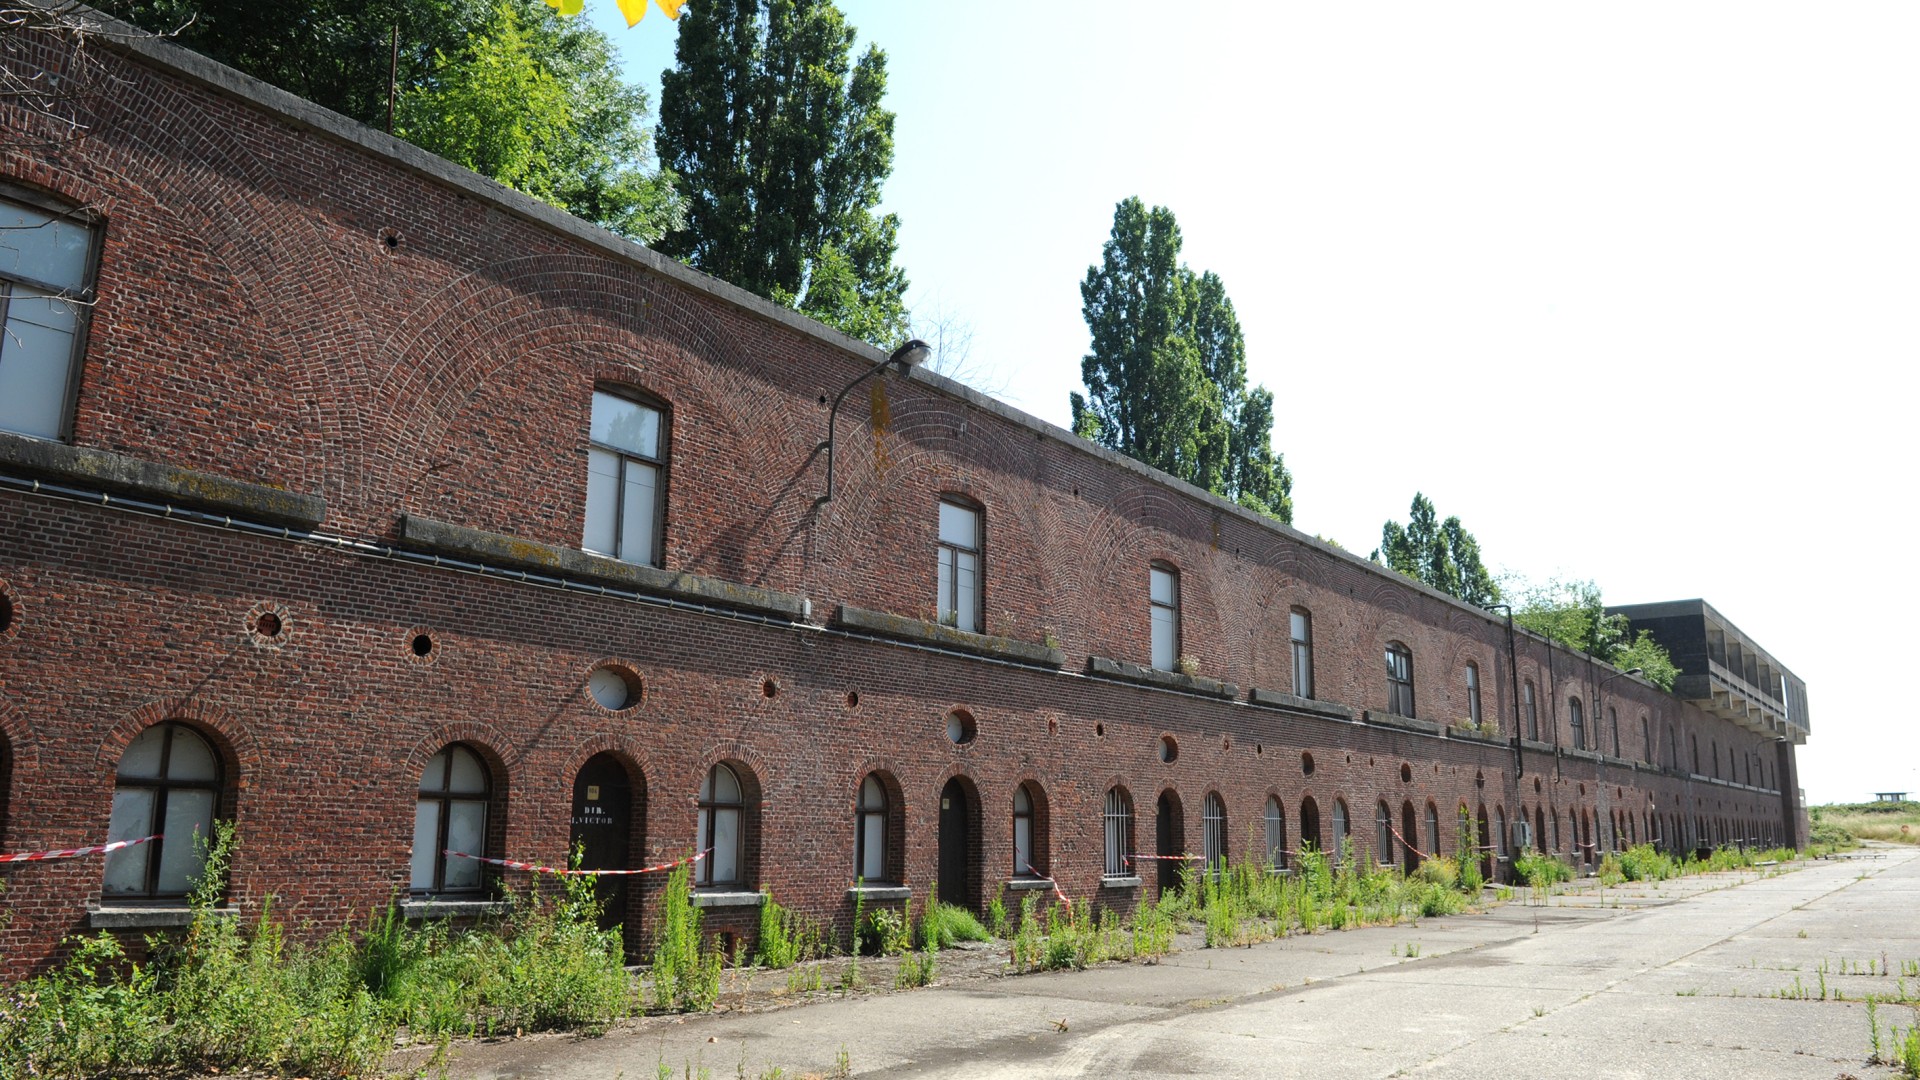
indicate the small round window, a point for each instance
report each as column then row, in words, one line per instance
column 1169, row 749
column 614, row 688
column 960, row 727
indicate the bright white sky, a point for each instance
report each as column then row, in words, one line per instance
column 1627, row 287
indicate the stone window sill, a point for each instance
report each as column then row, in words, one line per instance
column 428, row 907
column 720, row 899
column 1022, row 884
column 879, row 892
column 1120, row 882
column 1168, row 680
column 1275, row 699
column 904, row 628
column 109, row 917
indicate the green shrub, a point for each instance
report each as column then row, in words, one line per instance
column 777, row 944
column 1541, row 871
column 997, row 916
column 686, row 970
column 1442, row 872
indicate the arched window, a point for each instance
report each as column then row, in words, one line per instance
column 1213, row 833
column 1533, row 711
column 1500, row 845
column 1276, row 833
column 1399, row 679
column 721, row 832
column 1433, row 832
column 1693, row 750
column 451, row 815
column 870, row 831
column 1539, row 830
column 168, row 783
column 1301, row 625
column 1473, row 693
column 1383, row 833
column 1576, row 723
column 626, row 478
column 1646, row 739
column 1163, row 609
column 1310, row 824
column 1117, row 825
column 1029, row 832
column 1340, row 829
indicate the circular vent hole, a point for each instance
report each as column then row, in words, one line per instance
column 615, row 688
column 1169, row 749
column 423, row 645
column 960, row 727
column 1099, row 730
column 267, row 625
column 853, row 698
column 6, row 613
column 769, row 688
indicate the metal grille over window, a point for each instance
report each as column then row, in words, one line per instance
column 959, row 572
column 1213, row 835
column 721, row 809
column 1118, row 827
column 1164, row 599
column 44, row 259
column 451, row 813
column 624, row 474
column 1302, row 625
column 167, row 783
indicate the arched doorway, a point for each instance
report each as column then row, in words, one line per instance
column 1409, row 829
column 959, row 833
column 1310, row 824
column 603, row 830
column 1486, row 845
column 1170, row 840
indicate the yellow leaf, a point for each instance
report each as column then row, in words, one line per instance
column 671, row 7
column 634, row 10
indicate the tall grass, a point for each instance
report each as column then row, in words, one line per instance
column 1892, row 822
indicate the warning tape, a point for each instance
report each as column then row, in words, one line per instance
column 1053, row 881
column 1410, row 845
column 538, row 869
column 1164, row 858
column 71, row 853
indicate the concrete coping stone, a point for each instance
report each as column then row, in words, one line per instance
column 720, row 898
column 449, row 909
column 1120, row 882
column 1024, row 884
column 880, row 892
column 162, row 483
column 502, row 550
column 1275, row 699
column 1168, row 680
column 1405, row 723
column 907, row 628
column 1475, row 735
column 148, row 918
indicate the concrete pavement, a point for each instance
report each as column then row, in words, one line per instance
column 1718, row 976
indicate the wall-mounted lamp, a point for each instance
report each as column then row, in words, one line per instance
column 906, row 356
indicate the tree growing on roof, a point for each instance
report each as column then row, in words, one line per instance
column 1166, row 377
column 1444, row 555
column 781, row 145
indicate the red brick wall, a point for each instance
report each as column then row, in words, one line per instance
column 253, row 321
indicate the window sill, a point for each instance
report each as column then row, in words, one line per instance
column 1274, row 699
column 496, row 549
column 1472, row 735
column 947, row 637
column 433, row 908
column 1120, row 882
column 154, row 917
column 723, row 899
column 163, row 483
column 879, row 892
column 1404, row 723
column 1024, row 884
column 1168, row 680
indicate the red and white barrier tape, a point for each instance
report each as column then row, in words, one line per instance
column 72, row 853
column 538, row 869
column 1410, row 845
column 1164, row 858
column 1053, row 881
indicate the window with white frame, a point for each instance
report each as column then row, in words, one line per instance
column 1213, row 834
column 1340, row 829
column 626, row 479
column 870, row 831
column 1473, row 694
column 167, row 784
column 720, row 831
column 1276, row 833
column 1117, row 827
column 959, row 572
column 46, row 257
column 1163, row 595
column 1302, row 632
column 451, row 814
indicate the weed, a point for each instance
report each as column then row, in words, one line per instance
column 997, row 916
column 686, row 970
column 946, row 925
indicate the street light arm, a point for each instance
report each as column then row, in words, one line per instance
column 906, row 356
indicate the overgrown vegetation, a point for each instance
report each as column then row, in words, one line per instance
column 1844, row 825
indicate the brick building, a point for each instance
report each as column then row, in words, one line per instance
column 383, row 510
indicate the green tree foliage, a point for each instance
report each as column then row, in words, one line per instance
column 1573, row 614
column 1442, row 554
column 1167, row 375
column 782, row 146
column 503, row 87
column 536, row 102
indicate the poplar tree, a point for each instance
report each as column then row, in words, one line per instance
column 1166, row 379
column 1443, row 555
column 782, row 145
